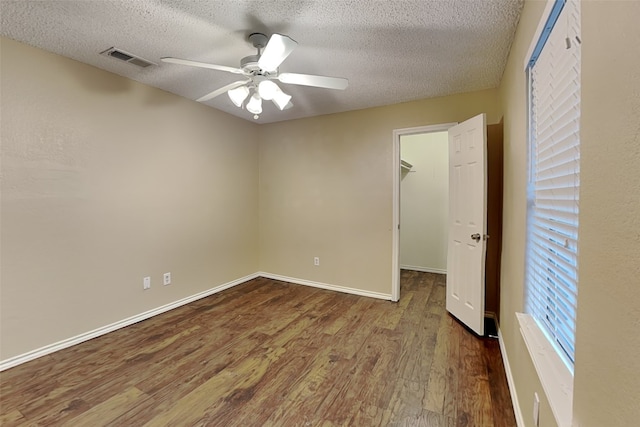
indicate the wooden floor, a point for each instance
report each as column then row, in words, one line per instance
column 275, row 354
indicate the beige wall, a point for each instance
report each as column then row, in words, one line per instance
column 607, row 377
column 326, row 189
column 424, row 202
column 105, row 181
column 607, row 369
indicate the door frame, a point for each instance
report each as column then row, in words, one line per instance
column 395, row 224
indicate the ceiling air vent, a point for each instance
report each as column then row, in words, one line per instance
column 127, row 57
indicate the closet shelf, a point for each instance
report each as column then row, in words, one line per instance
column 405, row 165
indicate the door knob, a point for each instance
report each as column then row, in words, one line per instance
column 476, row 237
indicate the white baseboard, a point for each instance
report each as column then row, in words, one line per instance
column 326, row 286
column 51, row 348
column 423, row 269
column 48, row 349
column 512, row 385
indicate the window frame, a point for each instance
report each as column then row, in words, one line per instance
column 553, row 366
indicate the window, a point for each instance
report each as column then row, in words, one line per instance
column 553, row 74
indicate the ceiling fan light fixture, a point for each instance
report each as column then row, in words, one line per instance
column 238, row 95
column 260, row 72
column 281, row 99
column 254, row 106
column 267, row 89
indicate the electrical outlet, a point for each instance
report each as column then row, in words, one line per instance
column 167, row 279
column 536, row 409
column 316, row 260
column 146, row 283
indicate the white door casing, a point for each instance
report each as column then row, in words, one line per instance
column 467, row 219
column 395, row 225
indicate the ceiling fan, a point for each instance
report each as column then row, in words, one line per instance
column 260, row 71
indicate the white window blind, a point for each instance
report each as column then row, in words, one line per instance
column 553, row 192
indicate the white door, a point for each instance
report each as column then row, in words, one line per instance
column 467, row 222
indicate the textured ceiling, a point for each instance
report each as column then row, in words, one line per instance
column 390, row 50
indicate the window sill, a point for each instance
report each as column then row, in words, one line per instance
column 555, row 376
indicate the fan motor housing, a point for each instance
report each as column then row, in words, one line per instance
column 250, row 63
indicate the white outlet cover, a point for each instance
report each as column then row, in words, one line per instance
column 536, row 409
column 167, row 278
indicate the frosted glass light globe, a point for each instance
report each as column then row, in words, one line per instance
column 267, row 89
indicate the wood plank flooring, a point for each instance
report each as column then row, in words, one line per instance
column 270, row 353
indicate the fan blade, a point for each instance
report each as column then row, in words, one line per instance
column 222, row 90
column 312, row 80
column 276, row 51
column 202, row 65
